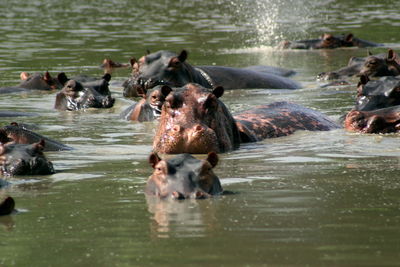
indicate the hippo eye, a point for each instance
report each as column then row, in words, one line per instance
column 154, row 97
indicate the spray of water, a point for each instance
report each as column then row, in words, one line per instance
column 274, row 20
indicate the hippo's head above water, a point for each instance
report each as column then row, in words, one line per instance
column 386, row 120
column 76, row 96
column 162, row 68
column 377, row 94
column 39, row 81
column 193, row 120
column 183, row 177
column 375, row 66
column 21, row 159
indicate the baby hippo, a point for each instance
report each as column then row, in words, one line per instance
column 22, row 159
column 149, row 107
column 183, row 177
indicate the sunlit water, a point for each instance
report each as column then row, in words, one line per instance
column 313, row 198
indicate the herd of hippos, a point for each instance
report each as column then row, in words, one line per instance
column 192, row 119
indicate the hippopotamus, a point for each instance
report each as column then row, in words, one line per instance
column 377, row 108
column 22, row 159
column 76, row 95
column 385, row 120
column 168, row 68
column 183, row 176
column 377, row 94
column 37, row 82
column 21, row 135
column 7, row 206
column 386, row 64
column 194, row 120
column 149, row 107
column 328, row 41
column 109, row 65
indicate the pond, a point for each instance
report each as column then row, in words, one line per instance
column 312, row 198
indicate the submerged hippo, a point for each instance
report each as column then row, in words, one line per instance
column 372, row 66
column 183, row 177
column 194, row 120
column 76, row 95
column 149, row 107
column 109, row 65
column 377, row 108
column 7, row 206
column 168, row 68
column 21, row 135
column 21, row 159
column 37, row 81
column 328, row 41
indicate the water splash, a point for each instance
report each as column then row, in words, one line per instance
column 274, row 20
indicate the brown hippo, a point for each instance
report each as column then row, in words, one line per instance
column 183, row 176
column 168, row 68
column 379, row 65
column 149, row 107
column 328, row 41
column 22, row 159
column 194, row 120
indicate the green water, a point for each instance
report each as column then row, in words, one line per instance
column 313, row 198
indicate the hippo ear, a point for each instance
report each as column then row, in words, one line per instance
column 391, row 56
column 349, row 37
column 148, row 52
column 165, row 90
column 39, row 146
column 218, row 91
column 369, row 53
column 363, row 80
column 183, row 56
column 177, row 61
column 141, row 92
column 47, row 76
column 24, row 75
column 154, row 159
column 4, row 137
column 14, row 124
column 62, row 78
column 212, row 157
column 107, row 77
column 132, row 61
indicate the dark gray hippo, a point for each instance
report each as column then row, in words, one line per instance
column 36, row 82
column 22, row 159
column 168, row 68
column 194, row 120
column 386, row 64
column 328, row 41
column 183, row 176
column 21, row 135
column 76, row 95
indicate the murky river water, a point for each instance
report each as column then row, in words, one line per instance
column 313, row 198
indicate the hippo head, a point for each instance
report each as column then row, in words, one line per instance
column 74, row 96
column 386, row 120
column 155, row 97
column 329, row 41
column 376, row 67
column 378, row 94
column 183, row 177
column 39, row 81
column 194, row 120
column 21, row 159
column 109, row 65
column 162, row 68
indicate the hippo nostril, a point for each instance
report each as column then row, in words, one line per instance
column 177, row 195
column 176, row 128
column 198, row 128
